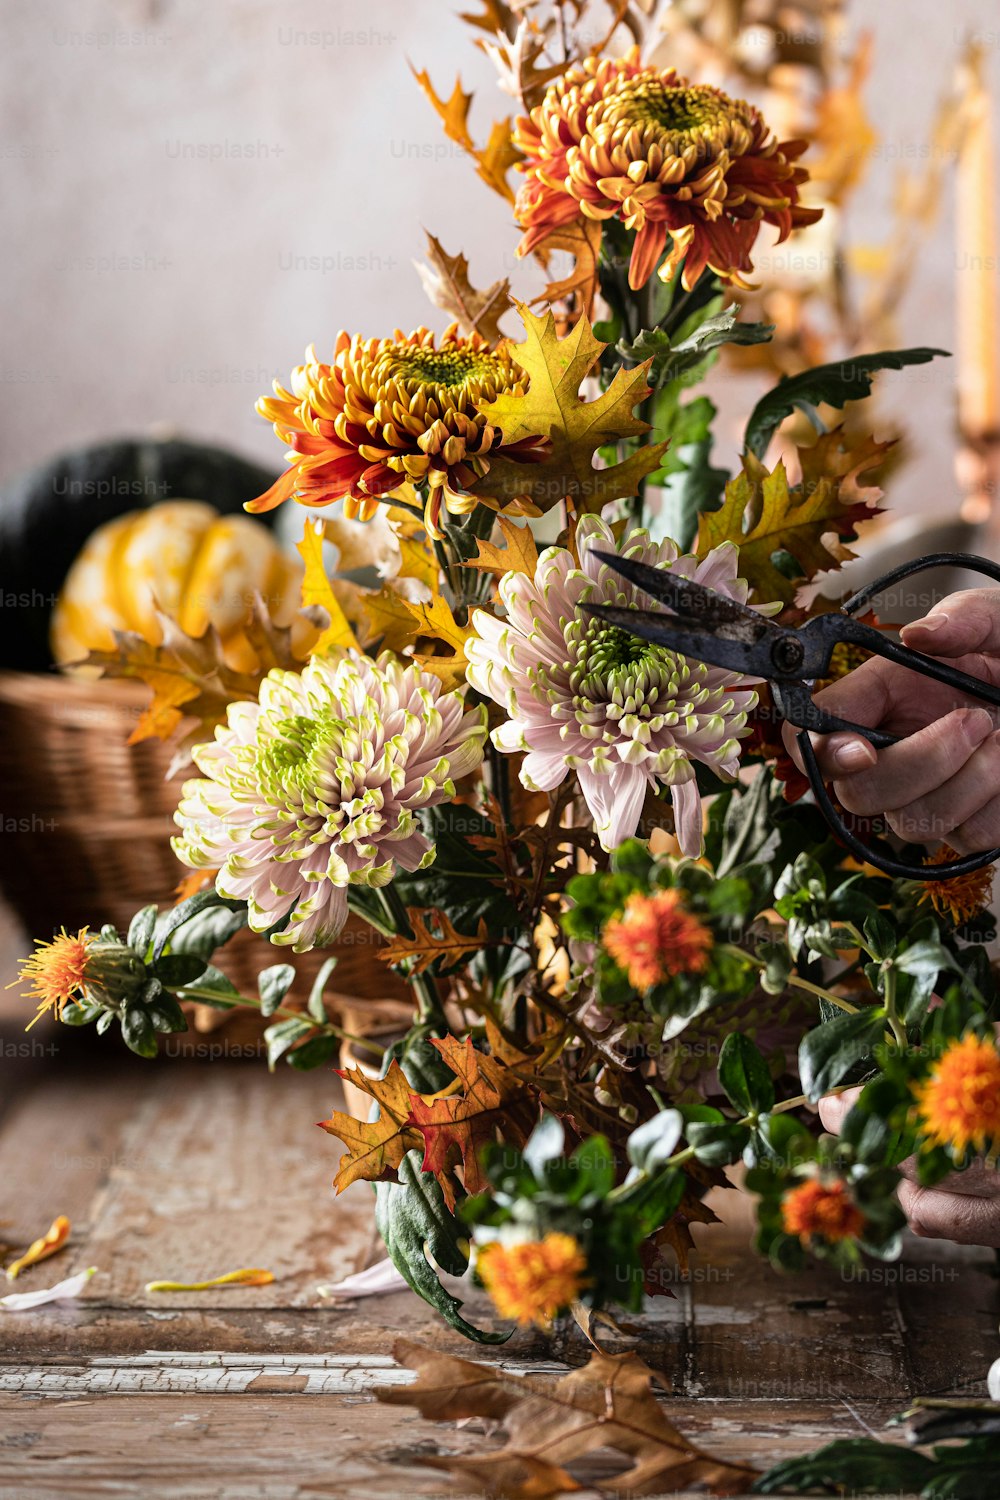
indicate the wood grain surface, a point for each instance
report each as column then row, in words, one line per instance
column 184, row 1169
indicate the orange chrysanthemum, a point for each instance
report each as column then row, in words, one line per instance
column 387, row 411
column 958, row 1105
column 534, row 1280
column 655, row 938
column 821, row 1210
column 56, row 971
column 614, row 139
column 961, row 897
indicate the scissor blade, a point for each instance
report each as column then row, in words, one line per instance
column 675, row 633
column 693, row 600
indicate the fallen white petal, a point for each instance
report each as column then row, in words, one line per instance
column 71, row 1287
column 380, row 1278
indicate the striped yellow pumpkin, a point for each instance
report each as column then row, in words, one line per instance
column 182, row 557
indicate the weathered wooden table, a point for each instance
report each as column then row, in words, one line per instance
column 182, row 1170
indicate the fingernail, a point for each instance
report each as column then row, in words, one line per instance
column 976, row 722
column 932, row 622
column 854, row 755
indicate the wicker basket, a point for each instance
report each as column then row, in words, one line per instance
column 86, row 822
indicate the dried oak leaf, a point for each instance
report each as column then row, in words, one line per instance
column 190, row 677
column 495, row 159
column 375, row 1148
column 572, row 429
column 582, row 239
column 811, row 521
column 401, row 623
column 555, row 1421
column 446, row 282
column 518, row 555
column 525, row 72
column 492, row 1103
column 426, row 946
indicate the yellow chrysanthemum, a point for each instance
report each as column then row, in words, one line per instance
column 958, row 1105
column 655, row 938
column 961, row 897
column 387, row 411
column 534, row 1280
column 614, row 139
column 821, row 1210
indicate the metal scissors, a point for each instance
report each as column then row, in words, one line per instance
column 712, row 628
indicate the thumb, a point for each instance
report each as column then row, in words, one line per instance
column 962, row 623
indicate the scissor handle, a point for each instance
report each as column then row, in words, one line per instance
column 895, row 867
column 857, row 633
column 969, row 561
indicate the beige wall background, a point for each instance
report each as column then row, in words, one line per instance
column 195, row 191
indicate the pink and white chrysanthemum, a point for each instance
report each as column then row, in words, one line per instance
column 585, row 697
column 317, row 786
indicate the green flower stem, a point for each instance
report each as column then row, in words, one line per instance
column 892, row 1015
column 281, row 1013
column 794, row 980
column 429, row 1004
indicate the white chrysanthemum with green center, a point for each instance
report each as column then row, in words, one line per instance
column 316, row 787
column 586, row 697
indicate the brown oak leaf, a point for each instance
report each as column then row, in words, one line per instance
column 551, row 1422
column 426, row 946
column 375, row 1148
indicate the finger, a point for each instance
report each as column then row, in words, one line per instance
column 938, row 1215
column 833, row 1109
column 917, row 765
column 977, row 1181
column 968, row 621
column 981, row 831
column 963, row 801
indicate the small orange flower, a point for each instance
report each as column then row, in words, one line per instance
column 821, row 1210
column 56, row 971
column 958, row 1105
column 683, row 165
column 655, row 938
column 961, row 897
column 534, row 1280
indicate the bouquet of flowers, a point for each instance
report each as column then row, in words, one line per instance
column 634, row 948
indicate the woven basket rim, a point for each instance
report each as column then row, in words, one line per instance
column 55, row 687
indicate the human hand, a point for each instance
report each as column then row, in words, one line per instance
column 964, row 1207
column 942, row 782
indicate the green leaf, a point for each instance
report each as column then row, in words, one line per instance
column 834, row 384
column 137, row 1031
column 140, row 930
column 166, row 1014
column 688, row 356
column 545, row 1144
column 283, row 1035
column 880, row 934
column 178, row 969
column 863, row 1466
column 81, row 1013
column 830, row 1051
column 744, row 1075
column 315, row 1006
column 170, row 922
column 463, row 880
column 648, row 1202
column 413, row 1220
column 593, row 1164
column 273, row 985
column 718, row 1145
column 650, row 1145
column 312, row 1054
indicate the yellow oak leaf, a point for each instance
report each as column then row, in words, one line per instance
column 418, row 561
column 495, row 159
column 446, row 282
column 552, row 409
column 316, row 589
column 519, row 555
column 375, row 1148
column 402, row 623
column 811, row 522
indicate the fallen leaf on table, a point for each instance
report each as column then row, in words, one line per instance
column 554, row 1421
column 61, row 1292
column 52, row 1240
column 375, row 1281
column 250, row 1276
